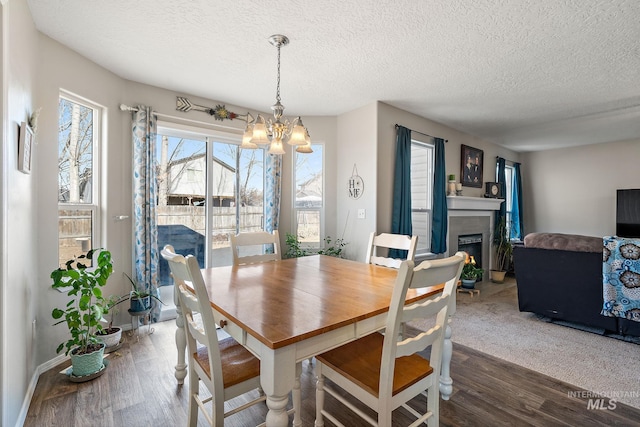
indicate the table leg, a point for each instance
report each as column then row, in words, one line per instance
column 446, row 383
column 277, row 375
column 181, row 340
column 297, row 397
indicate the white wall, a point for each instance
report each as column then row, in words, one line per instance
column 356, row 145
column 573, row 190
column 19, row 278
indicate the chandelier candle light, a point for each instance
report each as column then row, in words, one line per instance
column 274, row 131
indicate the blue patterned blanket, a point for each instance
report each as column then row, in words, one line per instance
column 621, row 277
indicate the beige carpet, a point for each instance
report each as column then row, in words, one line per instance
column 491, row 323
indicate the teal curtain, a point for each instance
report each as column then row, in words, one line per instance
column 517, row 223
column 145, row 222
column 501, row 214
column 401, row 213
column 439, row 222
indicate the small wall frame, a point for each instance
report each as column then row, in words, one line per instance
column 25, row 148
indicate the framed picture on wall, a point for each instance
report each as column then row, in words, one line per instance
column 25, row 144
column 471, row 166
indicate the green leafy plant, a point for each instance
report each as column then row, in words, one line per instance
column 294, row 250
column 84, row 312
column 141, row 295
column 333, row 249
column 503, row 246
column 470, row 271
column 138, row 292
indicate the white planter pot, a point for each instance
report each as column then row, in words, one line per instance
column 111, row 340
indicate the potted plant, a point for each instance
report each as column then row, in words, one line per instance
column 470, row 273
column 84, row 312
column 504, row 250
column 139, row 298
column 111, row 335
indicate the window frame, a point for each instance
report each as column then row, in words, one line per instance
column 96, row 164
column 320, row 210
column 509, row 172
column 429, row 197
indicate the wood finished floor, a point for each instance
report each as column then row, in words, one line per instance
column 139, row 389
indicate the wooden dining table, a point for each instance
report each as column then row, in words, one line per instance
column 287, row 311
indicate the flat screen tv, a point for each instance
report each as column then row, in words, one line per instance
column 628, row 213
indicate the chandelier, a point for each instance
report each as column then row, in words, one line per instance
column 260, row 132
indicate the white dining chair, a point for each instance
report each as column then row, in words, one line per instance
column 384, row 373
column 386, row 241
column 225, row 367
column 249, row 248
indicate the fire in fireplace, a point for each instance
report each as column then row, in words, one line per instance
column 471, row 244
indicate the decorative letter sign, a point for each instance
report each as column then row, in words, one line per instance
column 355, row 185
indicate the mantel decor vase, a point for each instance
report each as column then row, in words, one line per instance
column 451, row 189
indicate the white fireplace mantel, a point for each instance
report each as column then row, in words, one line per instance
column 473, row 203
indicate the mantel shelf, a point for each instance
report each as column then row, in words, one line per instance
column 473, row 203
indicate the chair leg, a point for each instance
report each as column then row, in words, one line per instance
column 194, row 390
column 433, row 406
column 319, row 396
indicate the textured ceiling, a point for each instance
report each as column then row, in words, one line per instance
column 526, row 74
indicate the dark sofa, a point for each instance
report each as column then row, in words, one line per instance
column 560, row 276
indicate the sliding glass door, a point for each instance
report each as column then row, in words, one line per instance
column 208, row 188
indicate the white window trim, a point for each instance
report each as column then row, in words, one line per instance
column 98, row 199
column 427, row 253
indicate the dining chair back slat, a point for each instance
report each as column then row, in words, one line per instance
column 255, row 247
column 386, row 241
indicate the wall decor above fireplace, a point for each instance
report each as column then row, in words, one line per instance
column 471, row 164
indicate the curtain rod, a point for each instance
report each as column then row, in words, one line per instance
column 506, row 160
column 422, row 133
column 128, row 108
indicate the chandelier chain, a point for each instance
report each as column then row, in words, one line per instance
column 278, row 84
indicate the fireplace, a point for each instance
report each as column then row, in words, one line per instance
column 470, row 224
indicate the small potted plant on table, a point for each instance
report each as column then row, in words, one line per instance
column 470, row 273
column 83, row 313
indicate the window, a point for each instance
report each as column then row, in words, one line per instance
column 509, row 173
column 308, row 197
column 422, row 158
column 78, row 172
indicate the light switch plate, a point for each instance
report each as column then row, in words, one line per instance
column 361, row 213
